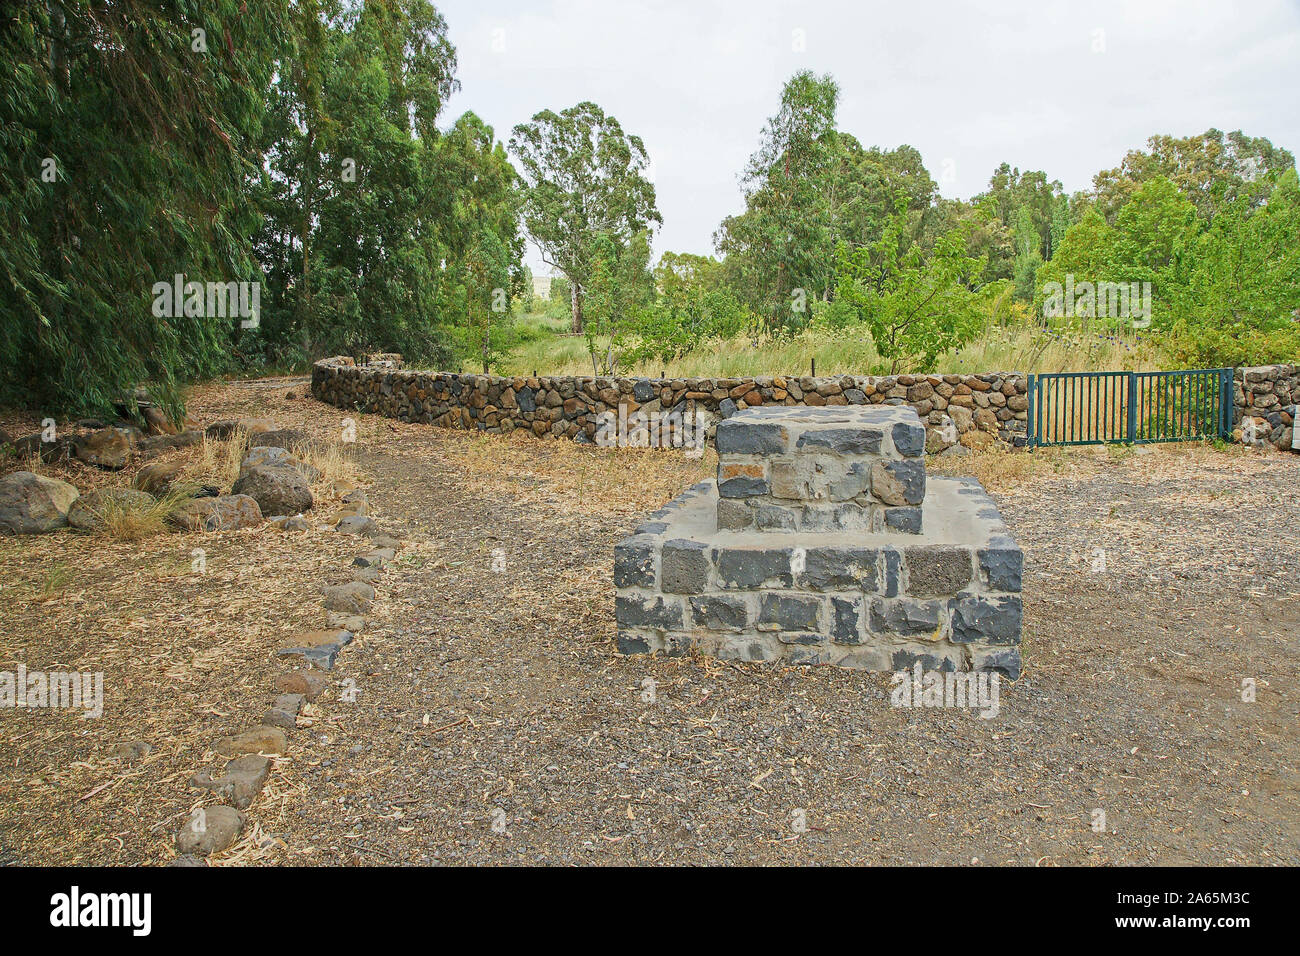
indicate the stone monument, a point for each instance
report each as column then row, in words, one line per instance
column 823, row 542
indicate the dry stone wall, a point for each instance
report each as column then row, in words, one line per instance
column 972, row 411
column 1266, row 399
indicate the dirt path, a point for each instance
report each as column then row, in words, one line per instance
column 492, row 721
column 493, row 701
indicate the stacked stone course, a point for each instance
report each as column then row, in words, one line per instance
column 941, row 587
column 856, row 469
column 972, row 411
column 1268, row 395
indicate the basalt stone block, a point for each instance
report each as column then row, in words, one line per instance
column 938, row 570
column 683, row 567
column 899, row 482
column 677, row 644
column 840, row 569
column 734, row 513
column 790, row 613
column 744, row 480
column 659, row 613
column 854, row 481
column 719, row 612
column 801, row 639
column 1002, row 567
column 789, row 480
column 905, row 616
column 846, row 620
column 634, row 562
column 809, row 656
column 842, row 441
column 904, row 660
column 845, row 516
column 1003, row 660
column 629, row 642
column 909, row 439
column 891, row 572
column 753, row 568
column 775, row 517
column 986, row 620
column 740, row 435
column 903, row 518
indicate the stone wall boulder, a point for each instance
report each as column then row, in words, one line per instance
column 33, row 504
column 276, row 480
column 157, row 478
column 105, row 448
column 58, row 449
column 154, row 445
column 227, row 513
column 157, row 422
column 274, row 456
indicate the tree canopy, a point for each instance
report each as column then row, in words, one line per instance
column 584, row 179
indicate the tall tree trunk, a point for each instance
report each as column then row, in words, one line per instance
column 308, row 191
column 575, row 304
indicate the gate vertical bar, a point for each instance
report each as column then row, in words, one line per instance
column 1132, row 407
column 1031, row 430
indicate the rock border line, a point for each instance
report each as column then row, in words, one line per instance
column 216, row 827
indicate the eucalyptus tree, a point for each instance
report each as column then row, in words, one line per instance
column 130, row 129
column 584, row 177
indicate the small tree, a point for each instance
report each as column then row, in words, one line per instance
column 916, row 307
column 619, row 288
column 487, row 298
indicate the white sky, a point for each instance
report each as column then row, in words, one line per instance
column 1043, row 84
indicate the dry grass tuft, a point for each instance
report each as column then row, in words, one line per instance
column 1003, row 469
column 329, row 458
column 586, row 477
column 132, row 519
column 999, row 468
column 217, row 462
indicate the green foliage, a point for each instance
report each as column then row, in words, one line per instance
column 778, row 249
column 809, row 187
column 371, row 210
column 487, row 303
column 915, row 306
column 131, row 129
column 1028, row 254
column 583, row 179
column 295, row 145
column 619, row 287
column 482, row 246
column 1211, row 170
column 1240, row 301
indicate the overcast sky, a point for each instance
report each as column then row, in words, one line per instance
column 1063, row 87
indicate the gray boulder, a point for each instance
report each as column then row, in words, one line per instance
column 106, row 448
column 275, row 480
column 227, row 513
column 33, row 504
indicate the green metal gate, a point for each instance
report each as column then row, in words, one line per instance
column 1093, row 408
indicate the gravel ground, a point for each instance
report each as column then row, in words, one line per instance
column 492, row 702
column 493, row 722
